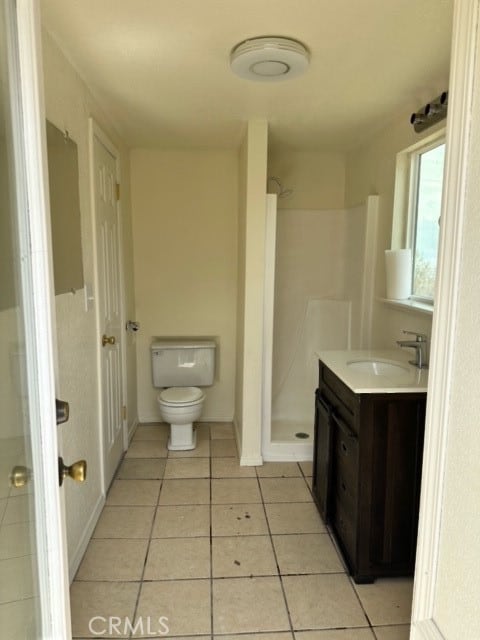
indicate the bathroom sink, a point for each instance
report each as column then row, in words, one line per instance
column 378, row 367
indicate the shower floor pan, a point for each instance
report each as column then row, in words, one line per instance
column 290, row 440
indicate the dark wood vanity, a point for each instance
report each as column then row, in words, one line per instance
column 367, row 472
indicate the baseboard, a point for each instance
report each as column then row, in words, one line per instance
column 426, row 630
column 251, row 461
column 245, row 461
column 76, row 558
column 131, row 429
column 238, row 437
column 151, row 418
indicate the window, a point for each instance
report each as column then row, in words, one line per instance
column 424, row 217
column 417, row 209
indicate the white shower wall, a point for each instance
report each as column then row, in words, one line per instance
column 325, row 324
column 318, row 298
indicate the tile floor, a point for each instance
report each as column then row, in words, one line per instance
column 222, row 550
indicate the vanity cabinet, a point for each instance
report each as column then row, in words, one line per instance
column 366, row 474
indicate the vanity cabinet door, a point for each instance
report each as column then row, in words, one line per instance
column 346, row 465
column 397, row 444
column 345, row 487
column 322, row 468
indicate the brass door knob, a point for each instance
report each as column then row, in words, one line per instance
column 77, row 471
column 20, row 476
column 108, row 340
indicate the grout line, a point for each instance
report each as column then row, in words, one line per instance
column 276, row 558
column 142, row 580
column 347, row 574
column 333, row 540
column 203, row 578
column 287, row 631
column 360, row 603
column 225, row 535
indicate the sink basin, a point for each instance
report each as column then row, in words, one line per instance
column 378, row 367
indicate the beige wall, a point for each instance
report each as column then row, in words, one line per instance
column 253, row 174
column 316, row 178
column 241, row 250
column 184, row 207
column 370, row 170
column 69, row 105
column 458, row 586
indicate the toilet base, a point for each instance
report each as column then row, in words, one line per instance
column 183, row 437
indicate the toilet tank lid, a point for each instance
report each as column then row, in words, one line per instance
column 183, row 344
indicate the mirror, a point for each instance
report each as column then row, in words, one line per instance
column 65, row 211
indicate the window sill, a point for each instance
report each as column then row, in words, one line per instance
column 409, row 305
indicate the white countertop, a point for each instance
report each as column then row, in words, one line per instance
column 411, row 380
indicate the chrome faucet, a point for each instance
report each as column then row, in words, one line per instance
column 420, row 346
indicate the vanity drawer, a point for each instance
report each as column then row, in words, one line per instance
column 349, row 399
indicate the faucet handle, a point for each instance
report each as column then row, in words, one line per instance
column 419, row 337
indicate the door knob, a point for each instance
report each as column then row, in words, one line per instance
column 77, row 471
column 108, row 340
column 20, row 476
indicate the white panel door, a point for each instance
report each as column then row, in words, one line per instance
column 109, row 303
column 34, row 601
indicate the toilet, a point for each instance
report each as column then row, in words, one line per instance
column 180, row 367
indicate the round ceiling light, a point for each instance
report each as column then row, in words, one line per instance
column 269, row 59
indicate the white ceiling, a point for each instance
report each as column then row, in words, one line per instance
column 160, row 67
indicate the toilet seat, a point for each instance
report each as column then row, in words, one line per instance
column 181, row 396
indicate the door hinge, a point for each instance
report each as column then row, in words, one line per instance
column 117, row 191
column 124, row 412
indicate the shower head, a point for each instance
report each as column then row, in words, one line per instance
column 279, row 190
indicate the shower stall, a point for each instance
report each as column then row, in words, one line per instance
column 319, row 281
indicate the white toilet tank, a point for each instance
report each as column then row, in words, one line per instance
column 183, row 363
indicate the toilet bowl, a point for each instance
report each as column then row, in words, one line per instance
column 180, row 407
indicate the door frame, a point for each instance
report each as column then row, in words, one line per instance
column 462, row 76
column 29, row 123
column 95, row 131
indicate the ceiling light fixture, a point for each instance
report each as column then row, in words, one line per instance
column 269, row 59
